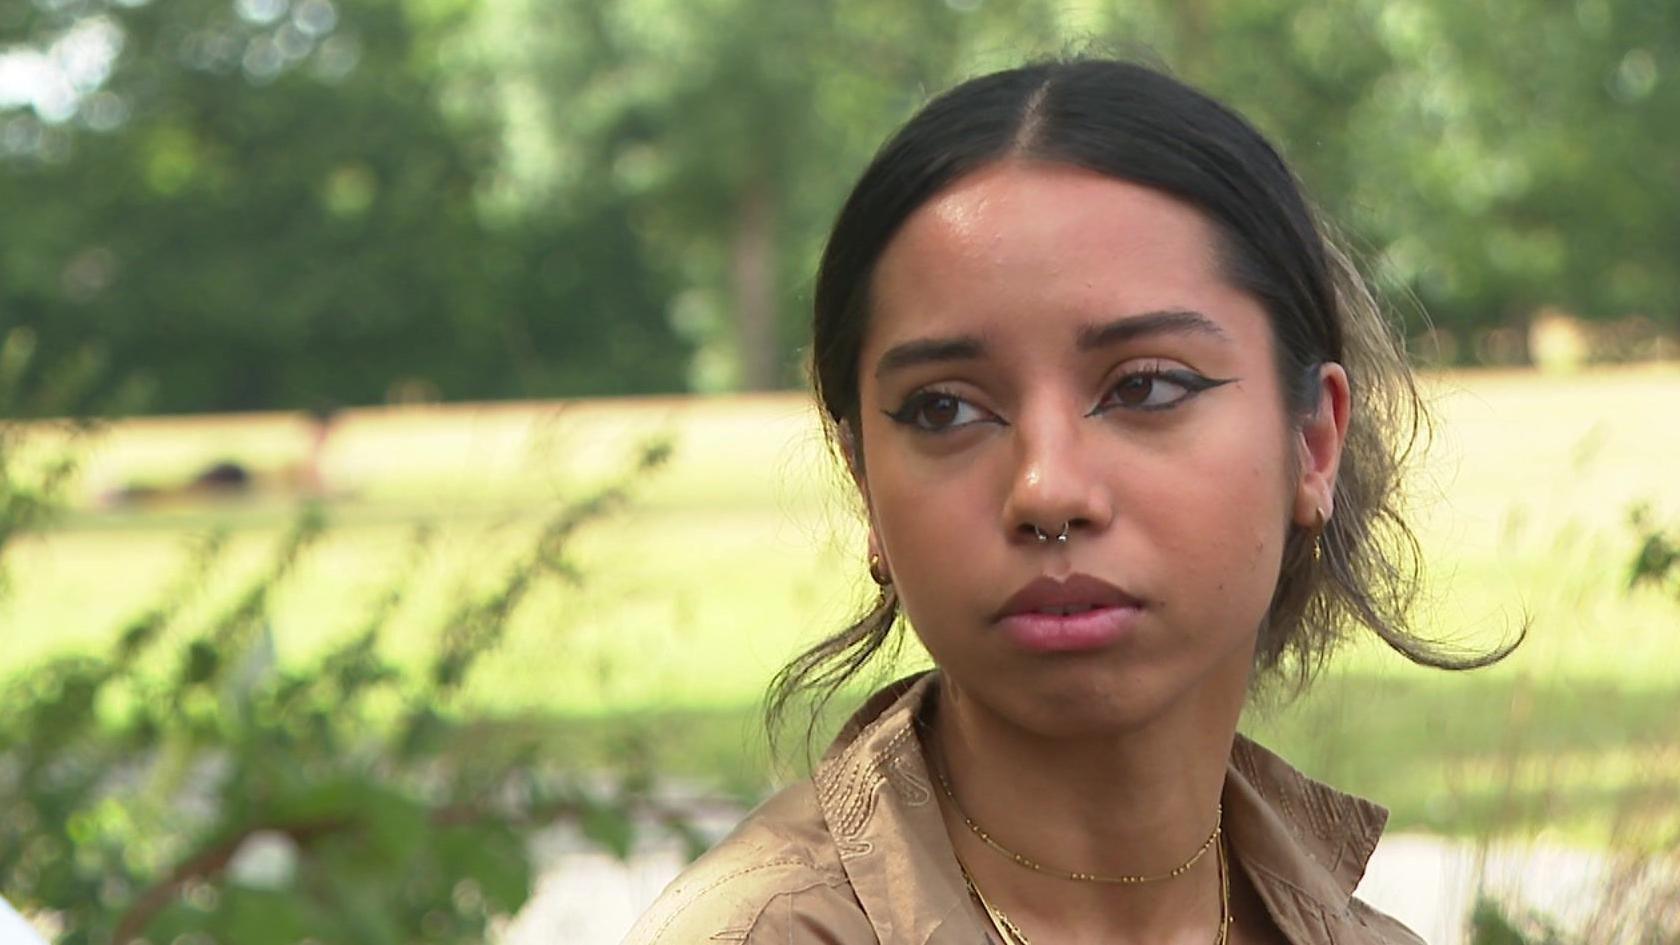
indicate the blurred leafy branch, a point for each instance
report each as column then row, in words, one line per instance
column 1657, row 563
column 184, row 782
column 32, row 485
column 1639, row 902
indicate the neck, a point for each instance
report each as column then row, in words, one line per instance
column 1138, row 802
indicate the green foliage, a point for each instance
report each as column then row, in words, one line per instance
column 1491, row 925
column 260, row 214
column 721, row 122
column 367, row 199
column 1635, row 903
column 730, row 130
column 1657, row 563
column 32, row 484
column 184, row 782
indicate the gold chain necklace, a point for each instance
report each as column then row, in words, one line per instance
column 986, row 838
column 1012, row 934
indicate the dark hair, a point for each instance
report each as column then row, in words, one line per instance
column 1132, row 123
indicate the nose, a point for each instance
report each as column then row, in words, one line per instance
column 1057, row 479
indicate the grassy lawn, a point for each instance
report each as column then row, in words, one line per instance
column 745, row 547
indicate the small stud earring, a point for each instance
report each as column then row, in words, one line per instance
column 877, row 572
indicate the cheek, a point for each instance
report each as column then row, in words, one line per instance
column 916, row 524
column 934, row 523
column 1228, row 506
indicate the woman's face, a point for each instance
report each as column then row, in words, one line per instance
column 1049, row 346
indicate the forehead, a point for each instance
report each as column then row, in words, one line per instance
column 1018, row 245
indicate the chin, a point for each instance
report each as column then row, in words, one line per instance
column 1093, row 698
column 1092, row 708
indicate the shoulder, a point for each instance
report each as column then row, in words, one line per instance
column 776, row 878
column 1305, row 846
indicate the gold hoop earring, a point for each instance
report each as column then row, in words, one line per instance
column 877, row 572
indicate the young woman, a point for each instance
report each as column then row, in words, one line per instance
column 1125, row 426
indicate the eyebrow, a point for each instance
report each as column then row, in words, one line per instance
column 1175, row 321
column 1090, row 338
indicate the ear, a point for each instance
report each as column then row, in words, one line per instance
column 1318, row 446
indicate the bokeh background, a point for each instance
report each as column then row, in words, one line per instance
column 406, row 490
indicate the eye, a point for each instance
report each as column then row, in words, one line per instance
column 933, row 411
column 1156, row 389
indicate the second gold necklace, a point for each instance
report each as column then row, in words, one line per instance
column 986, row 838
column 1012, row 934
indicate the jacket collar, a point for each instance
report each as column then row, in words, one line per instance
column 1303, row 845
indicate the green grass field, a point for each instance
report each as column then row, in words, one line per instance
column 746, row 547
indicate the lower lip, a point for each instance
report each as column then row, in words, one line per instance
column 1090, row 630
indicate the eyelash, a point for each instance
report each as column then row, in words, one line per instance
column 1191, row 382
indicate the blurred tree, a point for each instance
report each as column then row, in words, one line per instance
column 259, row 203
column 732, row 128
column 263, row 203
column 1488, row 169
column 1502, row 167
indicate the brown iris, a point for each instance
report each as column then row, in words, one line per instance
column 1134, row 390
column 939, row 410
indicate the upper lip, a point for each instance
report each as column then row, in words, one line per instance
column 1076, row 590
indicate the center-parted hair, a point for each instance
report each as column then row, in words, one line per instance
column 1135, row 124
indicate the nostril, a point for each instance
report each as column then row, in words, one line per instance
column 1036, row 533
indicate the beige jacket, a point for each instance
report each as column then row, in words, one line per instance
column 859, row 854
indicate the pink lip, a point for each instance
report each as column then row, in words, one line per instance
column 1091, row 630
column 1111, row 614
